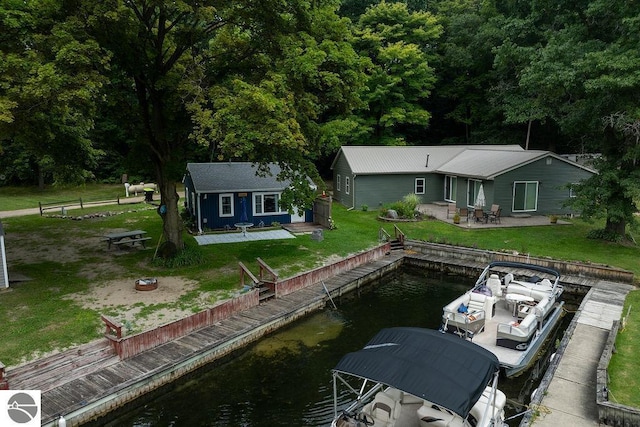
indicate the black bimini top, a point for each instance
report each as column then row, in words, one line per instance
column 441, row 368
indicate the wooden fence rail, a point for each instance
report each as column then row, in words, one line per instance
column 63, row 205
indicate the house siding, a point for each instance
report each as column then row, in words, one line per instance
column 210, row 208
column 382, row 188
column 552, row 192
column 342, row 168
column 204, row 207
column 378, row 190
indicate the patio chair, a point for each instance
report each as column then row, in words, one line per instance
column 464, row 213
column 478, row 215
column 451, row 209
column 495, row 216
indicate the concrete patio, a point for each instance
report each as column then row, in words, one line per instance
column 439, row 211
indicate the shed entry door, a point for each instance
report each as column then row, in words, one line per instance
column 295, row 217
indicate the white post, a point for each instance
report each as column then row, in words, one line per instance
column 4, row 277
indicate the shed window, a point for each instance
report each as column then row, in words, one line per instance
column 419, row 187
column 347, row 185
column 525, row 196
column 338, row 182
column 226, row 205
column 266, row 203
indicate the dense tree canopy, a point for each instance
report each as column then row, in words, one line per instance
column 399, row 45
column 49, row 87
column 96, row 89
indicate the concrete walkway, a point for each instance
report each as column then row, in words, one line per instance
column 570, row 395
column 249, row 236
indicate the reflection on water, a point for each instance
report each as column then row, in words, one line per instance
column 285, row 379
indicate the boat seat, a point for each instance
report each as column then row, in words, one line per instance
column 478, row 409
column 431, row 415
column 508, row 278
column 512, row 335
column 385, row 408
column 544, row 307
column 495, row 285
column 541, row 309
column 524, row 310
column 476, row 302
column 528, row 289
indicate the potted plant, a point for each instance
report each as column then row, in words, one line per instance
column 456, row 218
column 553, row 219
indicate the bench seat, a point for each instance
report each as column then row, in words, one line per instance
column 532, row 290
column 517, row 335
column 131, row 242
column 479, row 308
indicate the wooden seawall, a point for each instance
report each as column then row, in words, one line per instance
column 89, row 381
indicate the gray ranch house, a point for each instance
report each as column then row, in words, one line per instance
column 221, row 195
column 521, row 182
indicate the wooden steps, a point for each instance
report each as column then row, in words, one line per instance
column 396, row 245
column 265, row 293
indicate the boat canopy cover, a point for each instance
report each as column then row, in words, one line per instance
column 441, row 368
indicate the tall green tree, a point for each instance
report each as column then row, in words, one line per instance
column 49, row 84
column 400, row 46
column 461, row 98
column 580, row 73
column 258, row 81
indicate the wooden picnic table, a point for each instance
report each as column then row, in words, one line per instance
column 126, row 238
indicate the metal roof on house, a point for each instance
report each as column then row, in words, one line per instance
column 478, row 161
column 233, row 177
column 369, row 160
column 487, row 164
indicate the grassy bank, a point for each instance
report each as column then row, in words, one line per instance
column 64, row 258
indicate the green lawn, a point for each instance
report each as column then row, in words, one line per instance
column 624, row 367
column 37, row 316
column 13, row 198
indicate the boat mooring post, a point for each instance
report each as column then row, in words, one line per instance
column 329, row 295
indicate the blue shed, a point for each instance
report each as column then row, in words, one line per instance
column 220, row 195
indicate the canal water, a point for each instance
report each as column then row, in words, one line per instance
column 285, row 379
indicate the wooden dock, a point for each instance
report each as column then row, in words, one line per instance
column 89, row 381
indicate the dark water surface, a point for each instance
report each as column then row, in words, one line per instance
column 285, row 379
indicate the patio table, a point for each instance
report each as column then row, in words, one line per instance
column 243, row 226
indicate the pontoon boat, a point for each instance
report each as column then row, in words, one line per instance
column 414, row 377
column 510, row 311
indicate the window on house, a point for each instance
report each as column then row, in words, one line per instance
column 420, row 185
column 266, row 203
column 338, row 182
column 450, row 188
column 525, row 196
column 347, row 185
column 226, row 205
column 572, row 192
column 473, row 190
